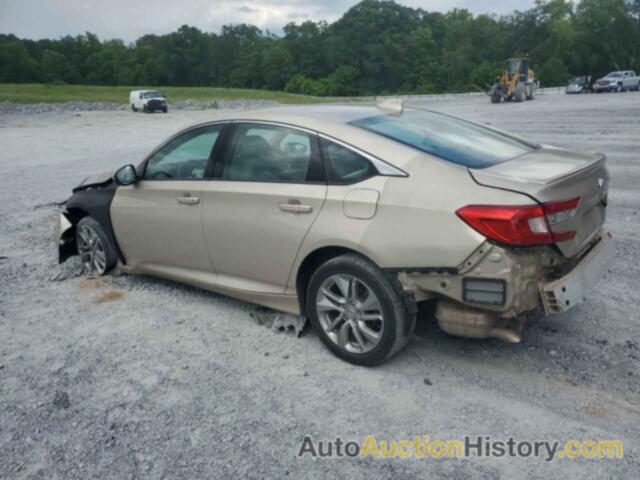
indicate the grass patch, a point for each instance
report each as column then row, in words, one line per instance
column 53, row 93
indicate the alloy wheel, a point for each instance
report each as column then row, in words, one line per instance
column 91, row 250
column 350, row 313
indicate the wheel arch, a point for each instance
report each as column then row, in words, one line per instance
column 75, row 214
column 310, row 264
column 94, row 202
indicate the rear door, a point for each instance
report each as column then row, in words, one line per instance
column 267, row 190
column 158, row 221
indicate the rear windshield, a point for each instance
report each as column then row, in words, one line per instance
column 449, row 138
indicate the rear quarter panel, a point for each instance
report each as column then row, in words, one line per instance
column 415, row 224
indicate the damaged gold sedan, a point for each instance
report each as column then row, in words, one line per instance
column 352, row 215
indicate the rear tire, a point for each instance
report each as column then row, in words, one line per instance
column 358, row 313
column 96, row 251
column 530, row 92
column 519, row 93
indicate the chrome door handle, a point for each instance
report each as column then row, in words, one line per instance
column 294, row 206
column 188, row 200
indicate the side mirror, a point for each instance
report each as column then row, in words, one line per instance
column 127, row 175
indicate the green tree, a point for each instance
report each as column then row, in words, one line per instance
column 16, row 65
column 553, row 73
column 277, row 66
column 55, row 67
column 377, row 46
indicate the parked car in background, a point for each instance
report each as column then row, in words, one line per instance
column 617, row 82
column 352, row 214
column 580, row 84
column 148, row 101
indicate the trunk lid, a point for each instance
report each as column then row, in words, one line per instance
column 551, row 174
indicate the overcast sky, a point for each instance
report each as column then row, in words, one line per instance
column 130, row 19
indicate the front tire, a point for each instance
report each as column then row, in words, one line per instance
column 96, row 251
column 133, row 108
column 357, row 312
column 519, row 93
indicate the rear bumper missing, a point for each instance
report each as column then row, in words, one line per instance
column 496, row 279
column 513, row 281
column 570, row 290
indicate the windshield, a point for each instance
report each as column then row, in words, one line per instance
column 449, row 138
column 614, row 75
column 152, row 94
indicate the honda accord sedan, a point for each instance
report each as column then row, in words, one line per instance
column 351, row 215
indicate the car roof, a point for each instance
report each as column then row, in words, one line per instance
column 309, row 116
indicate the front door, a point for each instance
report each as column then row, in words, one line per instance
column 266, row 193
column 158, row 221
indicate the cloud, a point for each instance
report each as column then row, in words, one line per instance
column 130, row 19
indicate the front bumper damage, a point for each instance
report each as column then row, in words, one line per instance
column 64, row 236
column 488, row 294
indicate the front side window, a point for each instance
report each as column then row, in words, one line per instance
column 268, row 153
column 448, row 138
column 344, row 165
column 185, row 157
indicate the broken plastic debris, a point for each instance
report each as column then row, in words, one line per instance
column 279, row 321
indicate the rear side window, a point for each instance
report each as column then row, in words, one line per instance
column 344, row 165
column 446, row 137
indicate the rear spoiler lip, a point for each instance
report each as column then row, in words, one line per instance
column 482, row 175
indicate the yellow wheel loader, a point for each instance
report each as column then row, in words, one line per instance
column 516, row 82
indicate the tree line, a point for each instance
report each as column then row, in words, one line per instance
column 376, row 47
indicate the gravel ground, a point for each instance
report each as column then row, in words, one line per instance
column 133, row 377
column 32, row 108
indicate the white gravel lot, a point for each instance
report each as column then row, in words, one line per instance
column 132, row 377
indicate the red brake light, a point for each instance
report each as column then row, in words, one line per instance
column 521, row 225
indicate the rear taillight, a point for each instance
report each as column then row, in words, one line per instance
column 521, row 225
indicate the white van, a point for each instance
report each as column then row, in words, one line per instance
column 148, row 101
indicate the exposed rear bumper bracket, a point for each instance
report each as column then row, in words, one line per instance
column 564, row 293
